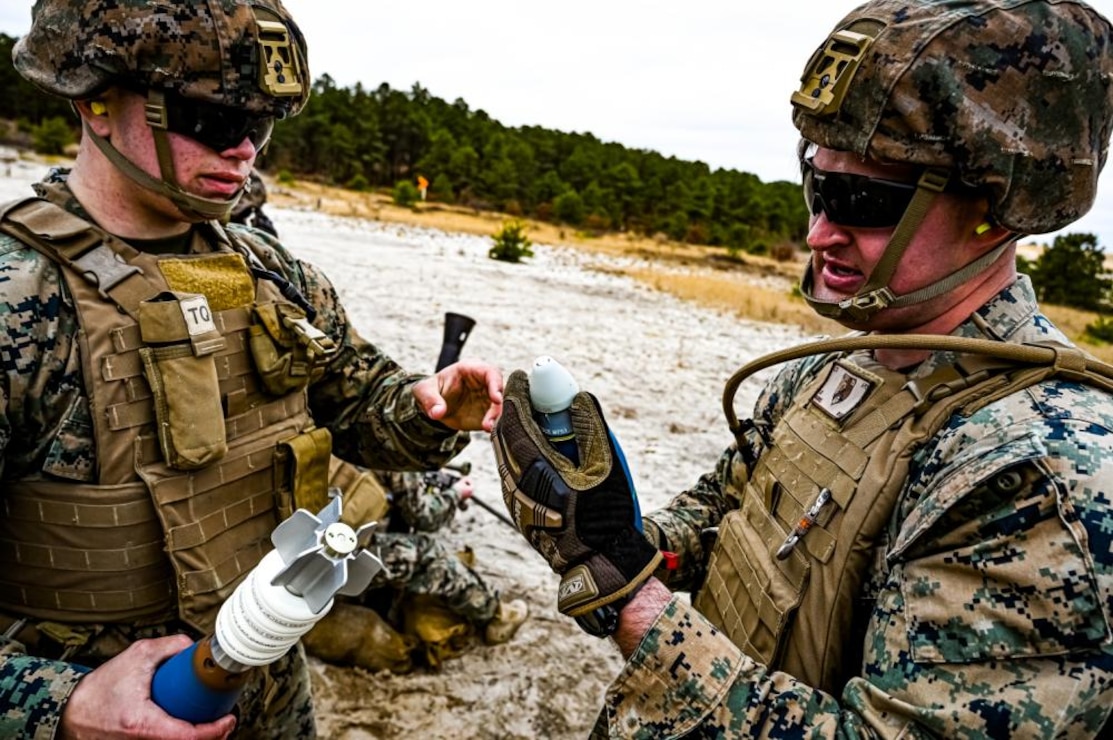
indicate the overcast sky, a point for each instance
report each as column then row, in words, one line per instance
column 700, row 79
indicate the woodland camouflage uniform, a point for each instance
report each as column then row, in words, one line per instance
column 977, row 589
column 428, row 604
column 416, row 560
column 41, row 324
column 48, row 436
column 985, row 602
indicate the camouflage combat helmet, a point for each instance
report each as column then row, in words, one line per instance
column 1010, row 98
column 246, row 56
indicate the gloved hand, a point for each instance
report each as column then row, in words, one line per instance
column 582, row 519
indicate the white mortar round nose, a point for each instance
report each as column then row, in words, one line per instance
column 340, row 538
column 551, row 387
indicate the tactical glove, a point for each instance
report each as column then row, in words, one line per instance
column 582, row 519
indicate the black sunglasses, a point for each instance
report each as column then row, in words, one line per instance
column 855, row 200
column 218, row 127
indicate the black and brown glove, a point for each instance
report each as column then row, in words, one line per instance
column 583, row 519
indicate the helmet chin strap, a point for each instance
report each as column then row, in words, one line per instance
column 192, row 206
column 875, row 295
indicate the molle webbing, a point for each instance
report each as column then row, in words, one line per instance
column 103, row 260
column 239, row 386
column 65, row 553
column 213, row 522
column 762, row 601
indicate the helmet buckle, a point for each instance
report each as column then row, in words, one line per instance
column 865, row 305
column 155, row 109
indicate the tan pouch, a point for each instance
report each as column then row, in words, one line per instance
column 752, row 596
column 289, row 352
column 307, row 458
column 182, row 374
column 365, row 498
column 441, row 633
column 351, row 634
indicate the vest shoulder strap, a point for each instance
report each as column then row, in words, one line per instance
column 107, row 263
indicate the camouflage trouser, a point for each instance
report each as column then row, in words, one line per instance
column 420, row 564
column 276, row 702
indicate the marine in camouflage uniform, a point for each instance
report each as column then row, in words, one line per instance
column 209, row 100
column 910, row 535
column 425, row 591
column 415, row 560
column 427, row 603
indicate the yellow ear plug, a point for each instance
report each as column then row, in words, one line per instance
column 98, row 108
column 983, row 227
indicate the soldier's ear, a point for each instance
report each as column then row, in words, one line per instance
column 988, row 234
column 94, row 111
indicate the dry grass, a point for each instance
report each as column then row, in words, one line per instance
column 1073, row 323
column 703, row 275
column 729, row 292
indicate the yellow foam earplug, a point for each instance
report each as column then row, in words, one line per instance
column 98, row 108
column 983, row 227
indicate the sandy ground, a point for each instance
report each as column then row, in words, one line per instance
column 658, row 366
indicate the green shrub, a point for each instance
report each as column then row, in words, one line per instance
column 52, row 136
column 358, row 183
column 405, row 193
column 511, row 243
column 1101, row 330
column 286, row 177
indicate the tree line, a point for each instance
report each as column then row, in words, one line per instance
column 363, row 138
column 381, row 138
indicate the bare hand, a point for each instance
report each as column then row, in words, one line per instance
column 464, row 490
column 114, row 701
column 464, row 396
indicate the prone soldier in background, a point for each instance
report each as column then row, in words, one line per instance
column 418, row 563
column 910, row 537
column 171, row 388
column 428, row 601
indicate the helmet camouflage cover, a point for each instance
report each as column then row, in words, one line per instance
column 1015, row 96
column 247, row 55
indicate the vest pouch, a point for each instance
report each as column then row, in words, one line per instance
column 307, row 458
column 289, row 352
column 181, row 370
column 750, row 594
column 365, row 498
